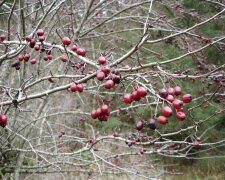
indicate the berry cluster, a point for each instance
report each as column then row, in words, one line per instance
column 136, row 95
column 169, row 94
column 102, row 113
column 76, row 87
column 80, row 51
column 112, row 77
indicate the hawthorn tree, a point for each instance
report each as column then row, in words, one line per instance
column 69, row 68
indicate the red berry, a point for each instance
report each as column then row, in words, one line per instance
column 162, row 120
column 45, row 58
column 187, row 98
column 66, row 41
column 103, row 118
column 101, row 60
column 99, row 112
column 177, row 104
column 170, row 98
column 49, row 56
column 141, row 91
column 36, row 47
column 81, row 52
column 163, row 93
column 100, row 75
column 73, row 87
column 177, row 90
column 171, row 91
column 127, row 98
column 180, row 116
column 106, row 70
column 32, row 43
column 63, row 58
column 104, row 109
column 33, row 61
column 40, row 32
column 139, row 125
column 3, row 120
column 41, row 38
column 135, row 96
column 20, row 57
column 2, row 37
column 74, row 48
column 80, row 87
column 94, row 114
column 167, row 111
column 28, row 38
column 26, row 57
column 109, row 84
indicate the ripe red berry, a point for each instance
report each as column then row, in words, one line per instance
column 141, row 91
column 74, row 48
column 3, row 120
column 45, row 58
column 104, row 109
column 66, row 41
column 28, row 38
column 177, row 104
column 106, row 70
column 33, row 61
column 167, row 111
column 180, row 116
column 20, row 57
column 101, row 60
column 73, row 87
column 187, row 98
column 103, row 118
column 41, row 38
column 99, row 112
column 32, row 43
column 109, row 84
column 135, row 96
column 139, row 125
column 26, row 57
column 163, row 93
column 171, row 91
column 36, row 47
column 127, row 98
column 2, row 37
column 170, row 98
column 49, row 57
column 63, row 58
column 81, row 52
column 162, row 120
column 40, row 32
column 100, row 75
column 94, row 114
column 80, row 87
column 177, row 90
